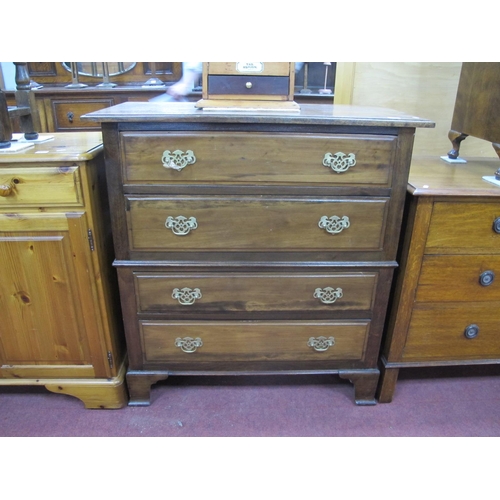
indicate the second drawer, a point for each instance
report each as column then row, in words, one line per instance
column 214, row 223
column 266, row 292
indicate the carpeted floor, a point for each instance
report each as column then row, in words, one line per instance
column 428, row 402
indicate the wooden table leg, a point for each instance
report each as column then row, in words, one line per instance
column 456, row 138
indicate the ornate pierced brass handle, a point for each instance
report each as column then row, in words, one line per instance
column 181, row 225
column 188, row 344
column 178, row 159
column 328, row 295
column 339, row 162
column 186, row 296
column 321, row 344
column 471, row 332
column 334, row 224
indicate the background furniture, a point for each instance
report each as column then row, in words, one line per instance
column 22, row 114
column 60, row 103
column 255, row 243
column 447, row 294
column 477, row 106
column 61, row 323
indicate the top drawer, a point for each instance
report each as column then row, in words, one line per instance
column 264, row 158
column 464, row 228
column 41, row 186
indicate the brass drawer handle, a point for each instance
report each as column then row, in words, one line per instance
column 334, row 224
column 486, row 278
column 496, row 225
column 328, row 295
column 186, row 296
column 178, row 159
column 181, row 225
column 321, row 344
column 339, row 162
column 471, row 332
column 188, row 344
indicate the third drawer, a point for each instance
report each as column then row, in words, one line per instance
column 254, row 292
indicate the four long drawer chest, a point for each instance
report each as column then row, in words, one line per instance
column 252, row 243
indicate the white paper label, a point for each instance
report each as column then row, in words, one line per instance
column 250, row 67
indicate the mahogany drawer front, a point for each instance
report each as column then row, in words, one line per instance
column 40, row 185
column 67, row 113
column 459, row 278
column 464, row 227
column 196, row 341
column 237, row 292
column 211, row 223
column 438, row 332
column 257, row 158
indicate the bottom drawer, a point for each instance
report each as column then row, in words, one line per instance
column 191, row 342
column 438, row 332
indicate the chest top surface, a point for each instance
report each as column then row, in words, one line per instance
column 431, row 176
column 64, row 146
column 318, row 114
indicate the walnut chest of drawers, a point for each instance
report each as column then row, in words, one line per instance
column 255, row 243
column 447, row 292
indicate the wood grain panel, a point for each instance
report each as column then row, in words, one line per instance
column 48, row 186
column 40, row 299
column 255, row 223
column 245, row 158
column 253, row 340
column 448, row 278
column 437, row 332
column 463, row 227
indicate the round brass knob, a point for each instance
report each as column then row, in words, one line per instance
column 248, row 85
column 486, row 278
column 471, row 331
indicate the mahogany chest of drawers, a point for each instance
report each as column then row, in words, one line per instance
column 255, row 243
column 447, row 292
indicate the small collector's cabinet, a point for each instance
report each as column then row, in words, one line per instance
column 447, row 293
column 254, row 243
column 60, row 322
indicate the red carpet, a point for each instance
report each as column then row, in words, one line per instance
column 428, row 402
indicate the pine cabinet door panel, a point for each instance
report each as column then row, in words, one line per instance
column 43, row 291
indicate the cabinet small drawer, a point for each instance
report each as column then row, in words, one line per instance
column 236, row 292
column 444, row 331
column 214, row 223
column 459, row 278
column 44, row 186
column 236, row 68
column 67, row 113
column 465, row 227
column 191, row 342
column 257, row 158
column 248, row 85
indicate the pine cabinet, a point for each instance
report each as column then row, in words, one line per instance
column 60, row 325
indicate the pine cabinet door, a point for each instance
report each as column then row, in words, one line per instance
column 49, row 317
